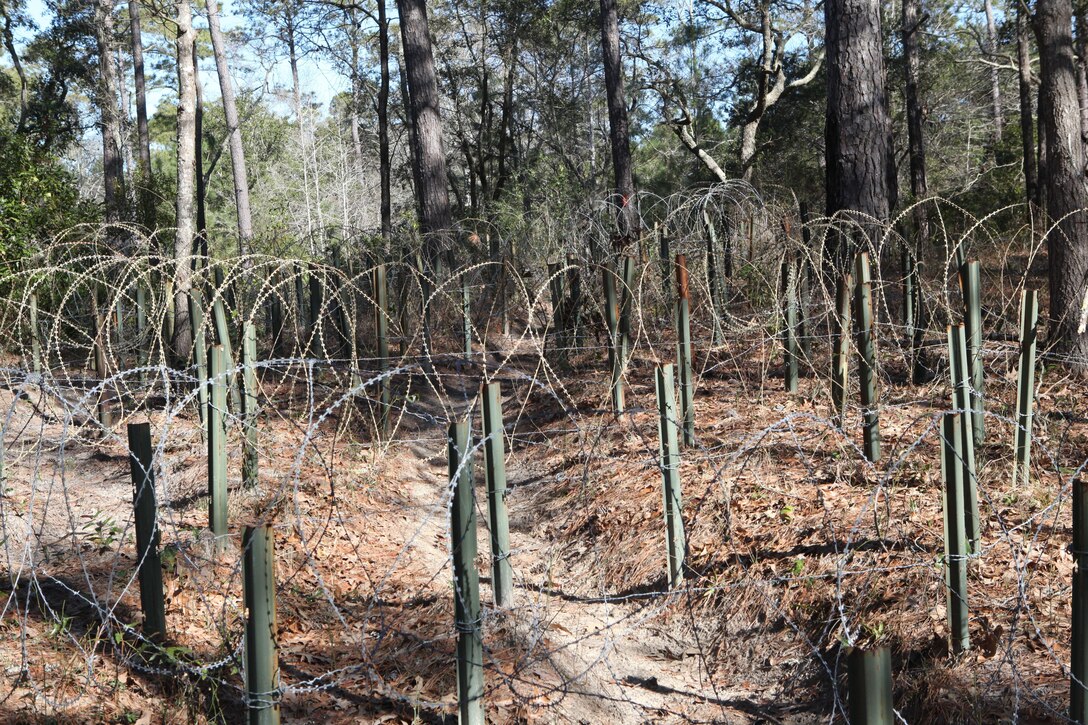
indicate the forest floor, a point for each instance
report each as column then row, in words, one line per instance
column 797, row 548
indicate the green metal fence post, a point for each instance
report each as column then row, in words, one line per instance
column 217, row 446
column 502, row 574
column 1025, row 385
column 221, row 322
column 615, row 356
column 955, row 532
column 262, row 656
column 962, row 401
column 466, row 580
column 1078, row 666
column 147, row 531
column 863, row 319
column 670, row 474
column 200, row 360
column 971, row 285
column 249, row 404
column 840, row 355
column 792, row 350
column 869, row 673
column 683, row 350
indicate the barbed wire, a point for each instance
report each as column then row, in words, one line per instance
column 797, row 546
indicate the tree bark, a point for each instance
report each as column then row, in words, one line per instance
column 145, row 196
column 995, row 78
column 1059, row 117
column 186, row 179
column 1027, row 124
column 919, row 187
column 201, row 178
column 860, row 162
column 384, row 165
column 1081, row 47
column 112, row 164
column 234, row 132
column 435, row 215
column 619, row 132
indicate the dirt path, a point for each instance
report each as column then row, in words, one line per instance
column 594, row 656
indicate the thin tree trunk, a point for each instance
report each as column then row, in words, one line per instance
column 186, row 179
column 384, row 165
column 919, row 187
column 413, row 142
column 1027, row 125
column 112, row 164
column 201, row 180
column 995, row 79
column 145, row 196
column 617, row 122
column 506, row 116
column 436, row 217
column 1040, row 153
column 1066, row 196
column 1081, row 47
column 296, row 95
column 860, row 162
column 234, row 131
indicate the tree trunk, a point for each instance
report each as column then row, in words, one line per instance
column 1081, row 48
column 860, row 162
column 234, row 131
column 619, row 133
column 9, row 45
column 146, row 196
column 413, row 142
column 112, row 165
column 186, row 179
column 435, row 216
column 919, row 187
column 995, row 79
column 1066, row 196
column 384, row 165
column 1027, row 125
column 201, row 179
column 506, row 116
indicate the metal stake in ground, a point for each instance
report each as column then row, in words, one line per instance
column 1078, row 703
column 196, row 320
column 1025, row 385
column 670, row 474
column 955, row 533
column 683, row 349
column 863, row 318
column 249, row 404
column 217, row 447
column 869, row 675
column 792, row 349
column 466, row 580
column 502, row 574
column 262, row 658
column 957, row 355
column 840, row 355
column 971, row 285
column 147, row 531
